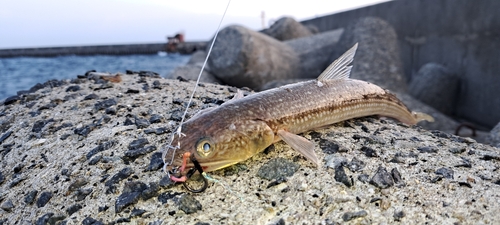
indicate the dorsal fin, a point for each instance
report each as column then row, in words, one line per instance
column 340, row 68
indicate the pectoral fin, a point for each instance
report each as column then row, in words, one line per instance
column 300, row 144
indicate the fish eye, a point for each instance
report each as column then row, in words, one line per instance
column 204, row 147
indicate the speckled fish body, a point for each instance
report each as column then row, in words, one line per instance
column 241, row 128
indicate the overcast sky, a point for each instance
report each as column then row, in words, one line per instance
column 45, row 23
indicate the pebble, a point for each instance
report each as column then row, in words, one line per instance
column 156, row 162
column 124, row 173
column 348, row 216
column 141, row 123
column 30, row 197
column 43, row 199
column 457, row 150
column 85, row 130
column 138, row 143
column 165, row 196
column 132, row 91
column 90, row 97
column 398, row 215
column 128, row 122
column 155, row 118
column 277, row 168
column 341, row 176
column 158, row 131
column 81, row 194
column 137, row 212
column 7, row 205
column 135, row 153
column 329, row 147
column 356, row 165
column 369, row 152
column 427, row 149
column 11, row 100
column 166, row 182
column 104, row 104
column 73, row 88
column 91, row 221
column 130, row 195
column 396, row 175
column 5, row 136
column 39, row 124
column 382, row 179
column 150, row 191
column 101, row 147
column 188, row 204
column 445, row 172
column 73, row 209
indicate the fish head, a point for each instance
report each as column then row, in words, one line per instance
column 218, row 143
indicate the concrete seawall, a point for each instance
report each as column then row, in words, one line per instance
column 463, row 35
column 153, row 48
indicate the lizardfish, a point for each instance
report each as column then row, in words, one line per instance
column 240, row 128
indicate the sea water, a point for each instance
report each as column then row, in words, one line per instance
column 22, row 73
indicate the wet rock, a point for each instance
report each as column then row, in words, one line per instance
column 429, row 82
column 277, row 168
column 188, row 204
column 382, row 179
column 73, row 88
column 73, row 209
column 287, row 28
column 101, row 147
column 348, row 216
column 341, row 176
column 7, row 205
column 130, row 195
column 124, row 173
column 141, row 123
column 104, row 104
column 355, row 165
column 369, row 152
column 156, row 162
column 5, row 136
column 445, row 172
column 43, row 199
column 30, row 197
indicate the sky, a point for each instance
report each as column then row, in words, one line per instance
column 48, row 23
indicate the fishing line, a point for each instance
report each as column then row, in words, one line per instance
column 179, row 129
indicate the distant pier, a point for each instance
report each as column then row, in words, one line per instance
column 128, row 49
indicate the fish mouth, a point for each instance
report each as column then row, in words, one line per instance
column 214, row 165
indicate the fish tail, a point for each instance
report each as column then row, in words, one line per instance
column 419, row 116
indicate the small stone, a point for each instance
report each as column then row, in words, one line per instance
column 382, row 179
column 73, row 209
column 396, row 176
column 102, row 208
column 81, row 194
column 128, row 122
column 104, row 104
column 90, row 97
column 30, row 197
column 135, row 153
column 79, row 182
column 130, row 195
column 341, row 176
column 132, row 91
column 150, row 191
column 11, row 100
column 177, row 115
column 427, row 149
column 91, row 221
column 101, row 147
column 124, row 173
column 139, row 143
column 166, row 182
column 188, row 204
column 164, row 197
column 137, row 212
column 328, row 147
column 95, row 160
column 141, row 123
column 465, row 184
column 457, row 150
column 43, row 199
column 7, row 205
column 85, row 130
column 369, row 152
column 156, row 162
column 356, row 165
column 364, row 178
column 155, row 118
column 398, row 215
column 16, row 180
column 348, row 216
column 38, row 126
column 5, row 136
column 445, row 172
column 277, row 168
column 110, row 110
column 43, row 220
column 73, row 88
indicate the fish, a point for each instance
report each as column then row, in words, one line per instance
column 244, row 126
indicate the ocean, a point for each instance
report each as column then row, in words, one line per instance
column 22, row 73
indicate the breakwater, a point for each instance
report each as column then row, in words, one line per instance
column 125, row 49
